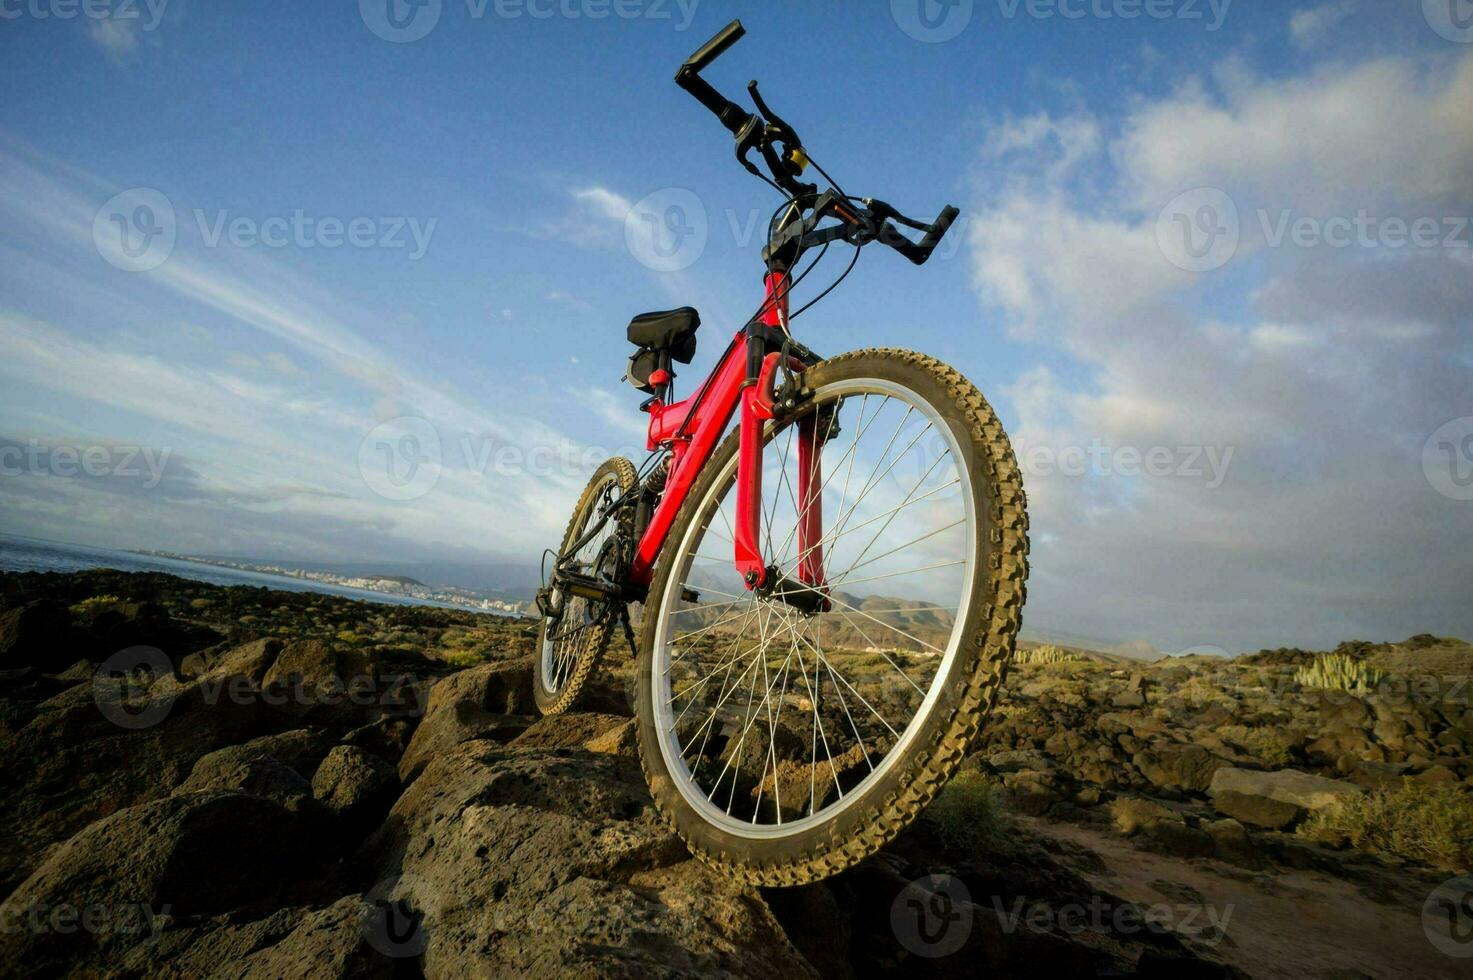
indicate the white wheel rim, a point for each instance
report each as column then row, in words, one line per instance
column 705, row 796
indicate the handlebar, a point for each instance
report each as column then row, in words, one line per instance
column 715, row 48
column 732, row 116
column 753, row 131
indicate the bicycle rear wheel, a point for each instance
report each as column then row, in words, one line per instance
column 571, row 642
column 786, row 741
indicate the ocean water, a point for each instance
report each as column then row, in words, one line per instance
column 24, row 554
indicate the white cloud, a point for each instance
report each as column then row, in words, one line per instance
column 1321, row 370
column 117, row 36
column 605, row 202
column 1309, row 27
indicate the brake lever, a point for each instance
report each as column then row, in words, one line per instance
column 794, row 160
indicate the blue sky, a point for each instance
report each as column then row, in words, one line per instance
column 1296, row 386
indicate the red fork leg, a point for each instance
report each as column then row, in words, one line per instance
column 810, row 517
column 749, row 493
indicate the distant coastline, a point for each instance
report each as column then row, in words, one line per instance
column 24, row 553
column 396, row 585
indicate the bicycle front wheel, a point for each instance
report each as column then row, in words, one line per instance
column 788, row 733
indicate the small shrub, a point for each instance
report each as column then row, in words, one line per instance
column 94, row 605
column 1432, row 825
column 1340, row 672
column 463, row 658
column 201, row 603
column 969, row 816
column 349, row 637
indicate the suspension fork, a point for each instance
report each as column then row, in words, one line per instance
column 757, row 408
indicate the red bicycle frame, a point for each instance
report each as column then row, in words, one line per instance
column 690, row 429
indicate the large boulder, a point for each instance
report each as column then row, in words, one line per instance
column 39, row 634
column 492, row 700
column 326, row 942
column 1275, row 799
column 353, row 784
column 250, row 769
column 553, row 861
column 1178, row 766
column 107, row 744
column 199, row 854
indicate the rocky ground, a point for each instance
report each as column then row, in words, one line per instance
column 302, row 785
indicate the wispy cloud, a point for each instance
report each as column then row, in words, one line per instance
column 116, row 36
column 1309, row 27
column 253, row 426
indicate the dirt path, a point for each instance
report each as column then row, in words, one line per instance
column 1281, row 924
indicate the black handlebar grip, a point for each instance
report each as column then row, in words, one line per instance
column 714, row 48
column 939, row 228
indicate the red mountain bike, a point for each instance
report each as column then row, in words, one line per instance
column 832, row 594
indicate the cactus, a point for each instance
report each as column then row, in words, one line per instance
column 1045, row 655
column 1339, row 672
